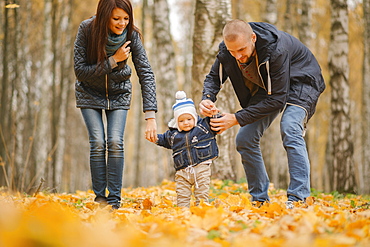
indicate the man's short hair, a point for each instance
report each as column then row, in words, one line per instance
column 234, row 28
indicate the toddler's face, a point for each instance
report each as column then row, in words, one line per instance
column 186, row 122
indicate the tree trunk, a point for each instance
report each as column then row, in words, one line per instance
column 56, row 106
column 342, row 152
column 364, row 187
column 134, row 172
column 273, row 152
column 184, row 42
column 210, row 18
column 164, row 65
column 237, row 9
column 152, row 169
column 13, row 101
column 288, row 16
column 19, row 98
column 65, row 65
column 274, row 155
column 305, row 36
column 270, row 15
column 142, row 166
column 304, row 29
column 4, row 99
column 43, row 138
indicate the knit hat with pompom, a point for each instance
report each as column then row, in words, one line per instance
column 183, row 105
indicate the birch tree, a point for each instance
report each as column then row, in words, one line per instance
column 184, row 43
column 23, row 145
column 210, row 18
column 237, row 9
column 134, row 168
column 365, row 169
column 13, row 98
column 270, row 14
column 164, row 66
column 274, row 155
column 7, row 33
column 342, row 143
column 36, row 75
column 43, row 138
column 304, row 29
column 156, row 164
column 288, row 17
column 62, row 89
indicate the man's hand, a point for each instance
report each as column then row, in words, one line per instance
column 208, row 108
column 225, row 122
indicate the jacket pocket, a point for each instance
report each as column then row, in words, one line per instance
column 203, row 151
column 178, row 159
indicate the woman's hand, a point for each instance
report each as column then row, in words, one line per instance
column 122, row 53
column 151, row 130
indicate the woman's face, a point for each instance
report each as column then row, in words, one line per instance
column 118, row 21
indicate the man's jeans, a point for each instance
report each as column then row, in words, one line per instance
column 291, row 129
column 106, row 174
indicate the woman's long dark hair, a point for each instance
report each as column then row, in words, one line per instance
column 100, row 28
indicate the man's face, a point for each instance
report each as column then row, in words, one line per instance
column 242, row 48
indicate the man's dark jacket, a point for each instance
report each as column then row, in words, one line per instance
column 289, row 71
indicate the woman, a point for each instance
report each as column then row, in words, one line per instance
column 102, row 47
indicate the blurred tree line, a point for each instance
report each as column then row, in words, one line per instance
column 42, row 134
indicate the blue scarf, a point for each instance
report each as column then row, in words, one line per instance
column 114, row 42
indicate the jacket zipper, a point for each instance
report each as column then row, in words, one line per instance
column 106, row 90
column 188, row 149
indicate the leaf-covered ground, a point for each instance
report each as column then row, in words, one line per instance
column 149, row 217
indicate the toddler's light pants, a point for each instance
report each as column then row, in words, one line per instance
column 198, row 176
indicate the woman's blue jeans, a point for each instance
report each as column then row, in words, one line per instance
column 291, row 129
column 106, row 152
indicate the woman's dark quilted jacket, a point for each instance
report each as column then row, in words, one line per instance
column 107, row 88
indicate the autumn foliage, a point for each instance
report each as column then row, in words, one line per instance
column 149, row 217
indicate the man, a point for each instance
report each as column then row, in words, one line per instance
column 271, row 72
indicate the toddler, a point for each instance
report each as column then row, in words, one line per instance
column 194, row 146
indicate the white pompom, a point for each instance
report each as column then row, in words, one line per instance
column 180, row 95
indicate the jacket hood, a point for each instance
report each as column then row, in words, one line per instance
column 267, row 38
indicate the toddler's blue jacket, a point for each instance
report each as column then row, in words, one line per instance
column 190, row 147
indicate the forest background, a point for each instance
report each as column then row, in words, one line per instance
column 44, row 142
